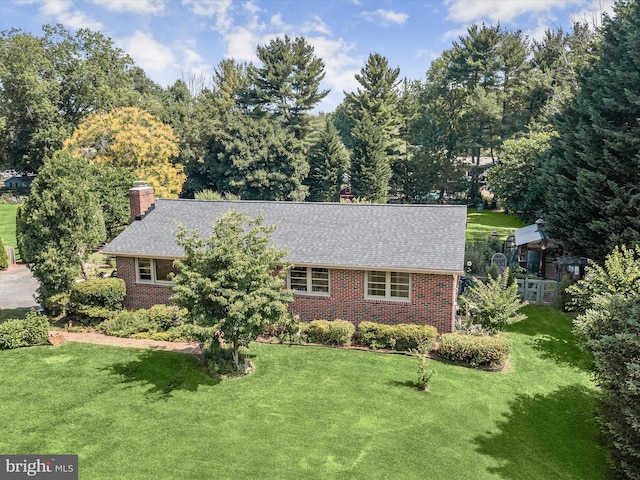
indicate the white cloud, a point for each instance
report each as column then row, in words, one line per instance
column 341, row 65
column 148, row 7
column 470, row 11
column 218, row 9
column 317, row 25
column 385, row 17
column 64, row 12
column 148, row 53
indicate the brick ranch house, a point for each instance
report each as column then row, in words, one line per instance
column 381, row 263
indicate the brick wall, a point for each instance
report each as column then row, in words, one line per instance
column 140, row 200
column 432, row 302
column 139, row 295
column 432, row 299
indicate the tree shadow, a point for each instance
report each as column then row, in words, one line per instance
column 552, row 336
column 164, row 372
column 548, row 436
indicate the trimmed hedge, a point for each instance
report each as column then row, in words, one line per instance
column 32, row 330
column 401, row 337
column 490, row 351
column 105, row 293
column 95, row 301
column 336, row 332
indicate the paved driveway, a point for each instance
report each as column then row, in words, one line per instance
column 17, row 287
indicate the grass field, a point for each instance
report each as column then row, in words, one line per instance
column 481, row 224
column 308, row 412
column 8, row 224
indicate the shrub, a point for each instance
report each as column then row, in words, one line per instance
column 32, row 330
column 284, row 331
column 337, row 332
column 164, row 316
column 56, row 304
column 127, row 323
column 106, row 293
column 425, row 372
column 407, row 337
column 478, row 351
column 402, row 337
column 89, row 315
column 494, row 303
column 374, row 335
column 4, row 258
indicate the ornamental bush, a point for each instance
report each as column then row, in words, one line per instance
column 494, row 304
column 336, row 332
column 32, row 330
column 106, row 293
column 401, row 337
column 489, row 351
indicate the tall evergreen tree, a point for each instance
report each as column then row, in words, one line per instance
column 594, row 166
column 59, row 223
column 370, row 167
column 373, row 113
column 256, row 159
column 288, row 83
column 328, row 162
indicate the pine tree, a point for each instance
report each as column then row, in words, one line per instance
column 328, row 162
column 373, row 113
column 288, row 83
column 593, row 173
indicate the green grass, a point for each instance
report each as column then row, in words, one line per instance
column 9, row 314
column 8, row 224
column 481, row 224
column 308, row 412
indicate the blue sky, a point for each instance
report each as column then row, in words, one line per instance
column 182, row 38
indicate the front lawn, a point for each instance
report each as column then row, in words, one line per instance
column 307, row 412
column 8, row 224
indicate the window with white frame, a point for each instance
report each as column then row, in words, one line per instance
column 309, row 280
column 155, row 270
column 388, row 285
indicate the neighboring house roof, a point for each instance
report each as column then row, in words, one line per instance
column 358, row 236
column 18, row 180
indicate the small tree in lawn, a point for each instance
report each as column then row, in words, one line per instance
column 494, row 303
column 233, row 280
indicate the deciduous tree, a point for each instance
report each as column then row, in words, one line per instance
column 233, row 280
column 134, row 139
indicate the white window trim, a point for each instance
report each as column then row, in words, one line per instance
column 153, row 280
column 309, row 290
column 387, row 288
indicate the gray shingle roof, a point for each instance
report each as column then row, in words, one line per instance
column 404, row 237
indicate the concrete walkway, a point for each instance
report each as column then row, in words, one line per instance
column 101, row 339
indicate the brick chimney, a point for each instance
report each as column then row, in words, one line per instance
column 141, row 200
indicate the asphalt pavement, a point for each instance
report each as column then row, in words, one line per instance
column 17, row 288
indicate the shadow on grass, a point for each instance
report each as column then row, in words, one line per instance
column 551, row 333
column 164, row 372
column 548, row 436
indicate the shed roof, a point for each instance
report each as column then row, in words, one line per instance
column 403, row 237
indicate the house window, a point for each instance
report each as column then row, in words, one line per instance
column 155, row 270
column 388, row 285
column 309, row 280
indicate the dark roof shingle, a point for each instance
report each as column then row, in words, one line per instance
column 404, row 237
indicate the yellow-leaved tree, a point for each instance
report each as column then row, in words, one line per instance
column 131, row 138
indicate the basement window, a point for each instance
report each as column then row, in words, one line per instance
column 309, row 280
column 388, row 285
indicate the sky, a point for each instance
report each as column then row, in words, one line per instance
column 174, row 39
